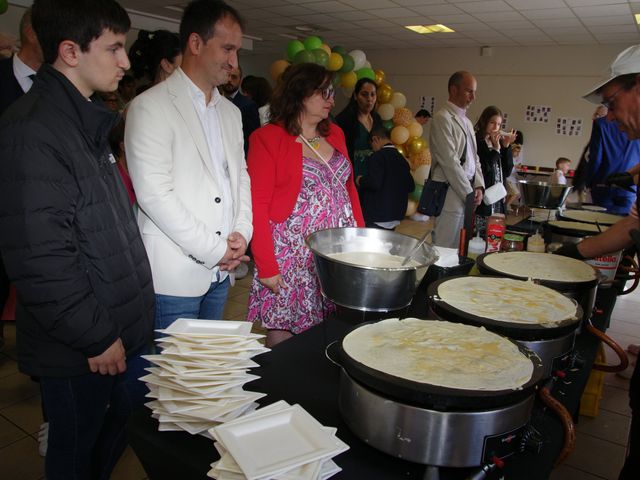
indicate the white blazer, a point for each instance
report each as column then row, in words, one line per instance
column 180, row 214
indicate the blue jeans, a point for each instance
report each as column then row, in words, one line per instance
column 209, row 306
column 87, row 416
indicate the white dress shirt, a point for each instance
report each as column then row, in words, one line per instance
column 210, row 121
column 22, row 72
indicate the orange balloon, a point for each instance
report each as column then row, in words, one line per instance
column 415, row 129
column 399, row 135
column 385, row 92
column 420, row 158
column 403, row 116
column 277, row 68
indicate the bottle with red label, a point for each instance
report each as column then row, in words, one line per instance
column 496, row 226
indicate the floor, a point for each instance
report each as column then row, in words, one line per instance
column 599, row 452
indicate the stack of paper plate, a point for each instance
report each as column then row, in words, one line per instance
column 198, row 377
column 280, row 442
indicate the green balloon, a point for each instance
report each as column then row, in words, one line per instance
column 336, row 80
column 321, row 56
column 312, row 42
column 339, row 49
column 347, row 64
column 388, row 124
column 4, row 6
column 417, row 193
column 293, row 47
column 366, row 73
column 304, row 56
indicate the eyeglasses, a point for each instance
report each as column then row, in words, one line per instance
column 328, row 93
column 609, row 102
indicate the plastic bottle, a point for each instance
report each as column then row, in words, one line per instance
column 477, row 246
column 495, row 231
column 536, row 243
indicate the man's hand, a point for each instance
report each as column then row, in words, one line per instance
column 478, row 197
column 236, row 247
column 274, row 283
column 112, row 361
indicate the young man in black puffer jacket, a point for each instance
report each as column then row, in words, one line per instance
column 70, row 242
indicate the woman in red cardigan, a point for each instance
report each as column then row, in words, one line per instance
column 301, row 182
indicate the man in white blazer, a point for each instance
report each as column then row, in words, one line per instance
column 185, row 154
column 454, row 158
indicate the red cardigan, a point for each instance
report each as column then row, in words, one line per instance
column 275, row 168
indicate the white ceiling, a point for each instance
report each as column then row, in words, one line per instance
column 378, row 24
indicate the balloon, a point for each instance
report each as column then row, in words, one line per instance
column 386, row 111
column 347, row 63
column 293, row 47
column 421, row 173
column 399, row 135
column 422, row 158
column 4, row 6
column 339, row 49
column 402, row 151
column 277, row 68
column 321, row 57
column 367, row 64
column 384, row 93
column 379, row 77
column 416, row 145
column 398, row 100
column 312, row 42
column 417, row 192
column 359, row 58
column 336, row 80
column 366, row 73
column 326, row 48
column 412, row 207
column 388, row 124
column 403, row 117
column 304, row 56
column 335, row 62
column 348, row 79
column 415, row 129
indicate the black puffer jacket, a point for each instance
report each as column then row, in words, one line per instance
column 68, row 236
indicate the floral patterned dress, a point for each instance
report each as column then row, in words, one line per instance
column 322, row 203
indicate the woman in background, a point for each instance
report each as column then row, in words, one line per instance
column 301, row 182
column 259, row 90
column 496, row 160
column 357, row 120
column 155, row 55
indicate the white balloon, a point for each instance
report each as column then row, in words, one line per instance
column 367, row 64
column 386, row 111
column 359, row 58
column 421, row 173
column 398, row 100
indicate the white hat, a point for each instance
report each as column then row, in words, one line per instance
column 626, row 62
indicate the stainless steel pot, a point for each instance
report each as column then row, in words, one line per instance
column 368, row 288
column 543, row 194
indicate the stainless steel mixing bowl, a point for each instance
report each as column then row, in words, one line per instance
column 368, row 288
column 543, row 194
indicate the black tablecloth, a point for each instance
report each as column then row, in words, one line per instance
column 298, row 372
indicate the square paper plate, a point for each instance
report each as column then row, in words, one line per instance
column 206, row 328
column 272, row 443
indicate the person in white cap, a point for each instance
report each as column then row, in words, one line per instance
column 619, row 91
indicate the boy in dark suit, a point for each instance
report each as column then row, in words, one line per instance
column 385, row 188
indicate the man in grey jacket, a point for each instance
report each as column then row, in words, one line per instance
column 454, row 158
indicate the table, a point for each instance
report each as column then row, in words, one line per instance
column 298, row 372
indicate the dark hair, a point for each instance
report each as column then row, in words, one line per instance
column 519, row 138
column 125, row 80
column 298, row 83
column 80, row 21
column 456, row 78
column 423, row 113
column 149, row 49
column 353, row 103
column 626, row 81
column 258, row 88
column 25, row 22
column 485, row 116
column 201, row 16
column 116, row 137
column 378, row 131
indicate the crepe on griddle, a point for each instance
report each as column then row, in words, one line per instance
column 438, row 353
column 541, row 266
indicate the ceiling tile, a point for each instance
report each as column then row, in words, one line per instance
column 397, row 12
column 284, row 21
column 609, row 20
column 557, row 23
column 373, row 23
column 432, row 10
column 328, row 7
column 599, row 29
column 549, row 13
column 531, row 5
column 485, row 6
column 499, row 16
column 315, row 19
column 603, row 10
column 510, row 25
column 457, row 18
column 367, row 4
column 580, row 3
column 413, row 3
column 353, row 15
column 578, row 29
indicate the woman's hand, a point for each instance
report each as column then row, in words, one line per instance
column 274, row 283
column 494, row 140
column 507, row 140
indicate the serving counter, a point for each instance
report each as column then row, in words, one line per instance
column 299, row 372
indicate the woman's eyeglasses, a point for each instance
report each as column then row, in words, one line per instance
column 328, row 93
